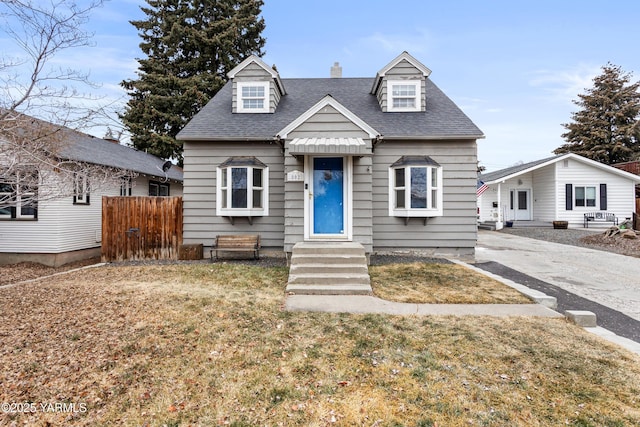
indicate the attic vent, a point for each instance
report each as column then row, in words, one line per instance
column 336, row 70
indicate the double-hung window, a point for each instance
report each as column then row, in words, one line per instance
column 404, row 95
column 81, row 189
column 415, row 188
column 253, row 97
column 19, row 197
column 243, row 187
column 585, row 196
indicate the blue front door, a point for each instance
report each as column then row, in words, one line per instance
column 328, row 195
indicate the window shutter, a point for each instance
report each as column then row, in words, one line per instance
column 568, row 197
column 603, row 197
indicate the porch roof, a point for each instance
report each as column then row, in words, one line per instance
column 330, row 145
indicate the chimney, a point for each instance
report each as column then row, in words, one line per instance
column 110, row 137
column 336, row 70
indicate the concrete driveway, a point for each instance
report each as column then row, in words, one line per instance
column 609, row 279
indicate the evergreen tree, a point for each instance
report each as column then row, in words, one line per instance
column 190, row 45
column 603, row 130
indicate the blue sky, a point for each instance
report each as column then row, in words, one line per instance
column 514, row 67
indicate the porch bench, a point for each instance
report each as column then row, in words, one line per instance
column 236, row 243
column 599, row 217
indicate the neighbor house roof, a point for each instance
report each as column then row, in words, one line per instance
column 514, row 171
column 70, row 144
column 85, row 148
column 441, row 120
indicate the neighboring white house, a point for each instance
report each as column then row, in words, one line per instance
column 61, row 230
column 559, row 188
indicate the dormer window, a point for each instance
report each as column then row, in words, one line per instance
column 253, row 97
column 403, row 95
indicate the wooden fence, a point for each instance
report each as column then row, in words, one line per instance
column 136, row 228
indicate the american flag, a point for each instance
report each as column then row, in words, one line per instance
column 481, row 188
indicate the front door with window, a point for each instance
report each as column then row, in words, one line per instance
column 521, row 205
column 327, row 194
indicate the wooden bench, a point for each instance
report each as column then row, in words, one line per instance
column 237, row 243
column 599, row 217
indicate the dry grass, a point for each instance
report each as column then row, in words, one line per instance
column 210, row 345
column 431, row 283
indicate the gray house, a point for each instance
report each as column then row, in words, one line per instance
column 388, row 162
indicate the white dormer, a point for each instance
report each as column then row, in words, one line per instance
column 400, row 85
column 257, row 88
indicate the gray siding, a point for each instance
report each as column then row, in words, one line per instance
column 255, row 73
column 453, row 233
column 201, row 224
column 328, row 122
column 402, row 71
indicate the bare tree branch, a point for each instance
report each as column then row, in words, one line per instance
column 35, row 164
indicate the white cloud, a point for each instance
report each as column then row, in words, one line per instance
column 564, row 85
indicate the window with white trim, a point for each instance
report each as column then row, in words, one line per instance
column 585, row 196
column 243, row 187
column 415, row 187
column 81, row 189
column 252, row 97
column 18, row 198
column 404, row 95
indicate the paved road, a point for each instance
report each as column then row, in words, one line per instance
column 609, row 279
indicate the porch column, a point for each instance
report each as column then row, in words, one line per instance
column 500, row 223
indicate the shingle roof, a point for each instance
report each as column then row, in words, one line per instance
column 85, row 148
column 493, row 177
column 442, row 119
column 502, row 173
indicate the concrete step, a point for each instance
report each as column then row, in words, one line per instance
column 339, row 258
column 487, row 226
column 306, row 268
column 329, row 268
column 330, row 248
column 346, row 289
column 328, row 278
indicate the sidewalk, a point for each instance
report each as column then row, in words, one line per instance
column 367, row 304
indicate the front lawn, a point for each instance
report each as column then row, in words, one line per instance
column 209, row 344
column 435, row 283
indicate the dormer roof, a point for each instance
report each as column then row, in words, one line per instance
column 404, row 56
column 253, row 59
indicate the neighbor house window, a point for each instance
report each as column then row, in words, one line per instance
column 415, row 187
column 158, row 189
column 585, row 196
column 403, row 95
column 81, row 189
column 253, row 97
column 242, row 188
column 18, row 197
column 126, row 186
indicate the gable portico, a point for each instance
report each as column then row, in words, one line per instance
column 332, row 149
